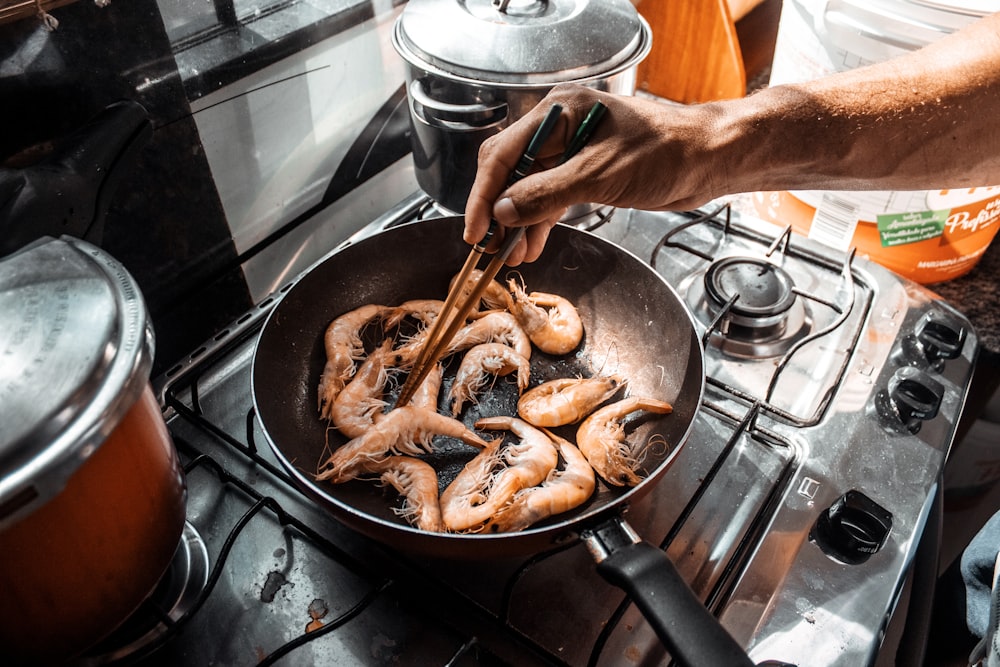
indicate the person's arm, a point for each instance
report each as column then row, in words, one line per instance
column 929, row 119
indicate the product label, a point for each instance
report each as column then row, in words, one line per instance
column 901, row 228
column 965, row 221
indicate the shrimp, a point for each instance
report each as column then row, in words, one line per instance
column 359, row 405
column 426, row 395
column 478, row 364
column 405, row 430
column 417, row 482
column 601, row 438
column 495, row 297
column 407, row 353
column 560, row 492
column 550, row 321
column 491, row 479
column 424, row 311
column 566, row 400
column 344, row 347
column 496, row 327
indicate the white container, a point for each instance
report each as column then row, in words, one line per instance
column 925, row 235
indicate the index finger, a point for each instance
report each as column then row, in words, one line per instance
column 498, row 157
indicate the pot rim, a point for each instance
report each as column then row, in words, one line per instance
column 91, row 378
column 523, row 80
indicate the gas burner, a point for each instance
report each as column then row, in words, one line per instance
column 760, row 314
column 763, row 290
column 174, row 596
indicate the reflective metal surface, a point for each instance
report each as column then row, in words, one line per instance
column 76, row 350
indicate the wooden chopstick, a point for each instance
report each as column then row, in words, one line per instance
column 435, row 345
column 437, row 342
column 450, row 305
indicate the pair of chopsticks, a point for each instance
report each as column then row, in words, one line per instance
column 455, row 315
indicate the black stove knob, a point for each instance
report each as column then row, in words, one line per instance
column 940, row 336
column 852, row 528
column 912, row 397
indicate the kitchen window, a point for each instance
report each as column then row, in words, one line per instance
column 216, row 42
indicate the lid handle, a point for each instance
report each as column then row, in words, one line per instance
column 532, row 8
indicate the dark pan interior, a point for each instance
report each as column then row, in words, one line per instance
column 634, row 323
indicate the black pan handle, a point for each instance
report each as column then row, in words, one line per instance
column 691, row 634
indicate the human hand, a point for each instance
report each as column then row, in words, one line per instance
column 632, row 160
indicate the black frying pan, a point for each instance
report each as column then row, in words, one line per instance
column 635, row 325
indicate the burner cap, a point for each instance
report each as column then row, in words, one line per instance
column 764, row 290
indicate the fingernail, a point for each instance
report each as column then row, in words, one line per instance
column 504, row 212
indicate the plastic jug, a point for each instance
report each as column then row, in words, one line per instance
column 927, row 235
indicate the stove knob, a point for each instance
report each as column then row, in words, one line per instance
column 852, row 529
column 941, row 337
column 913, row 396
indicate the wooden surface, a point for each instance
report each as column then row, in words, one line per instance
column 696, row 53
column 15, row 10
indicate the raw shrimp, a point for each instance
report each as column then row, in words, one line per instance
column 427, row 310
column 601, row 438
column 359, row 405
column 405, row 430
column 426, row 395
column 479, row 364
column 566, row 400
column 496, row 327
column 494, row 298
column 560, row 492
column 344, row 347
column 466, row 503
column 491, row 479
column 417, row 482
column 407, row 353
column 550, row 321
column 424, row 311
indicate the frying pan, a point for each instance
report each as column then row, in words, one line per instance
column 635, row 325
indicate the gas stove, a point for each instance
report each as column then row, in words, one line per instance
column 795, row 512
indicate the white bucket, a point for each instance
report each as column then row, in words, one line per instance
column 927, row 236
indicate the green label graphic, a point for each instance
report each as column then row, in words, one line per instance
column 902, row 228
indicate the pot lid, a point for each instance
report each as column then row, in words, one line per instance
column 75, row 354
column 507, row 40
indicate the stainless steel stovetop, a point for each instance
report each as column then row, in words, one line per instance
column 849, row 401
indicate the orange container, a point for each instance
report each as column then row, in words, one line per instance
column 926, row 236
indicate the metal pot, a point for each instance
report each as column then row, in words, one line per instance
column 92, row 497
column 476, row 66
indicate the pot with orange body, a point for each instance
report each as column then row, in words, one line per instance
column 92, row 496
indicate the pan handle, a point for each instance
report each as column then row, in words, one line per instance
column 691, row 634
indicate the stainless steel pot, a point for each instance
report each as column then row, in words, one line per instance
column 92, row 495
column 476, row 66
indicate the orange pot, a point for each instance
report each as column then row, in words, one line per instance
column 92, row 496
column 75, row 569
